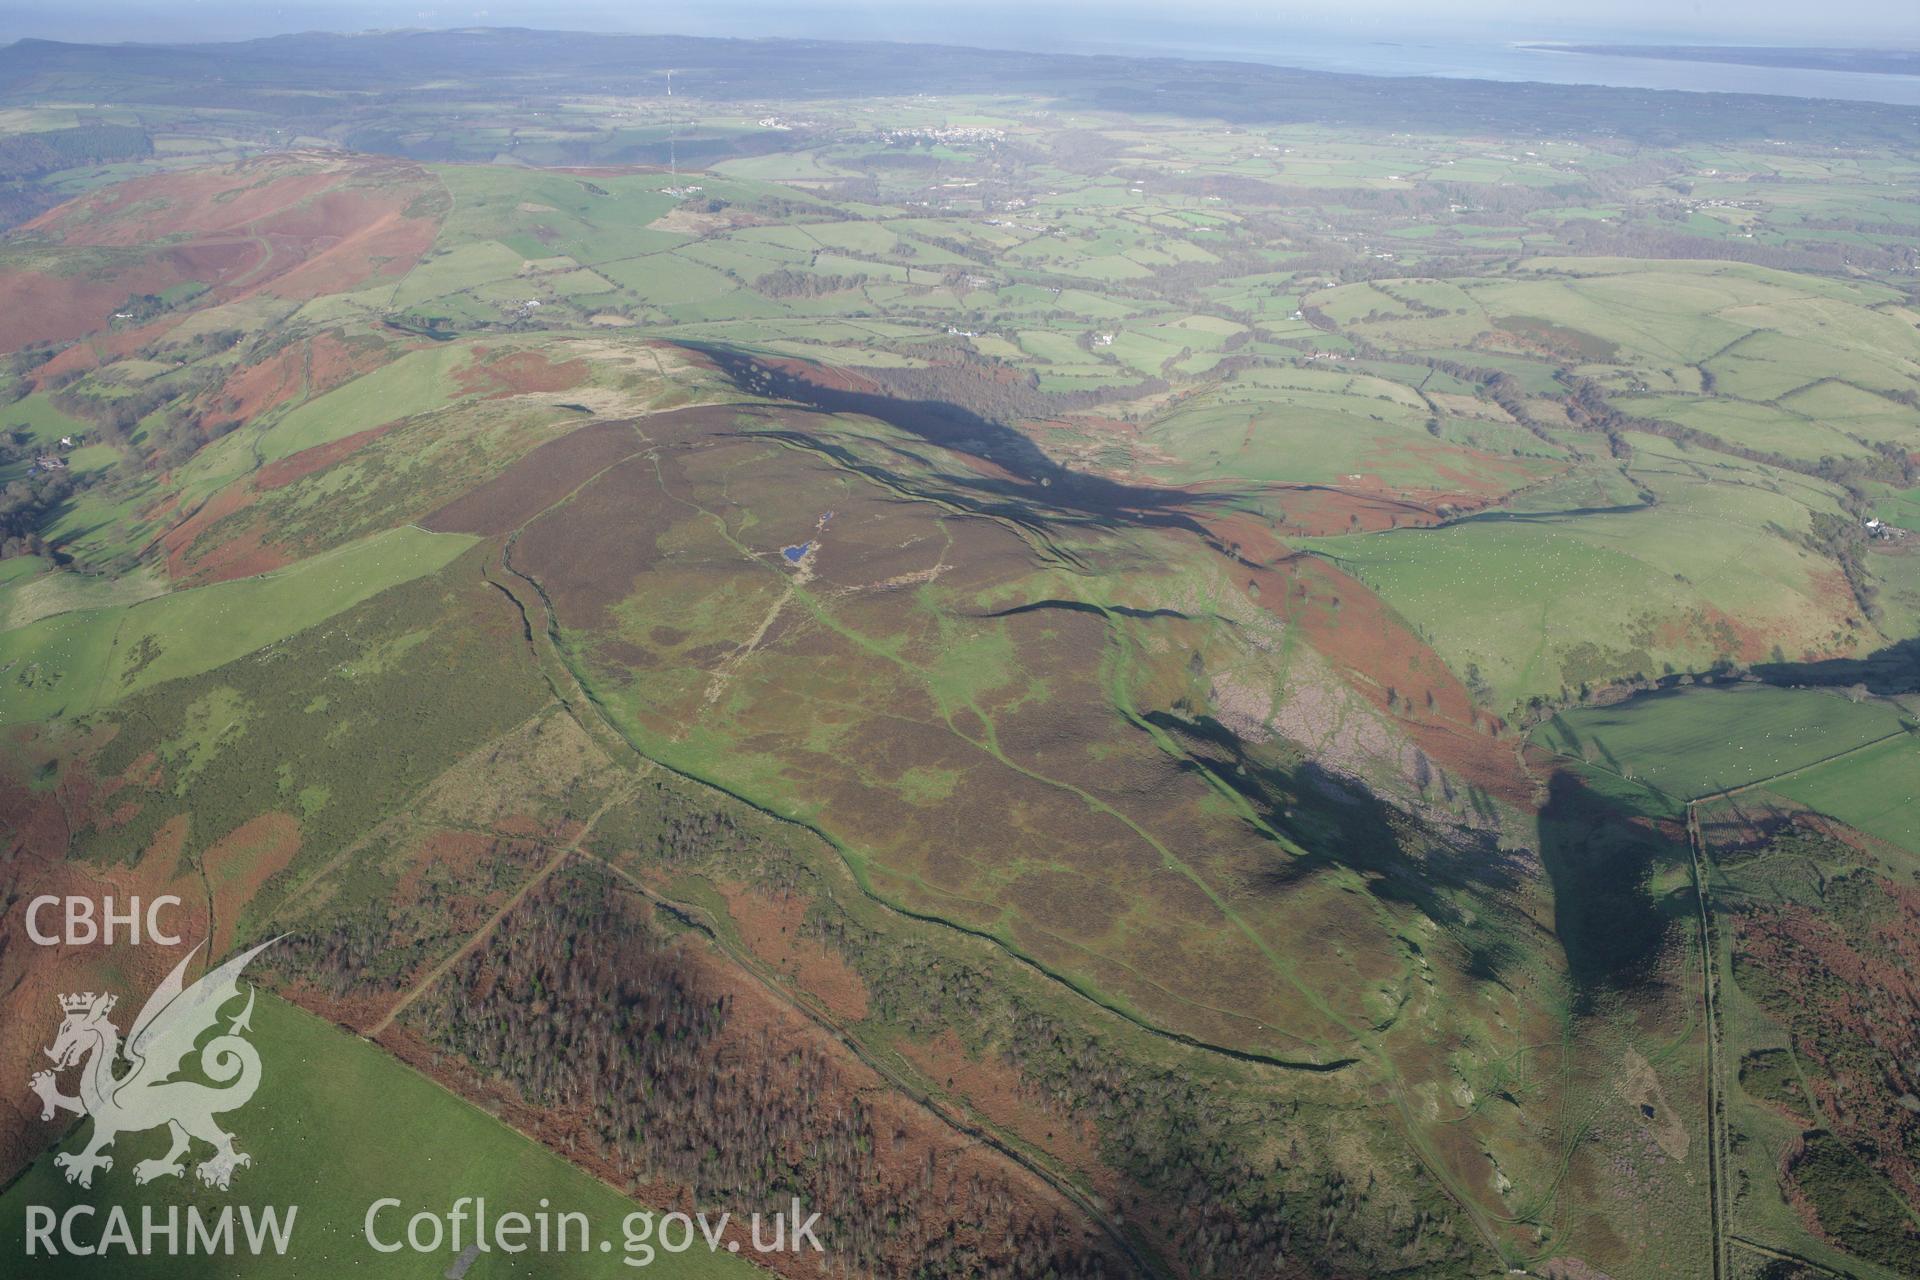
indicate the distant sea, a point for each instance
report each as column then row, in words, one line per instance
column 1137, row 28
column 1514, row 62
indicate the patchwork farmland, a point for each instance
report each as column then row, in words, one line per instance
column 1250, row 680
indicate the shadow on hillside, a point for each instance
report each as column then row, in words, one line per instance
column 1082, row 606
column 1035, row 487
column 1600, row 861
column 1542, row 517
column 1340, row 823
column 1892, row 670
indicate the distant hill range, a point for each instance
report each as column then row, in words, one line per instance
column 1883, row 62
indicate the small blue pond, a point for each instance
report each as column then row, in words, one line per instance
column 794, row 554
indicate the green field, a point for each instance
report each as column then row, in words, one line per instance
column 1877, row 791
column 37, row 416
column 1587, row 583
column 415, row 383
column 32, row 596
column 73, row 662
column 1702, row 740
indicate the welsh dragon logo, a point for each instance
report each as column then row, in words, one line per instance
column 131, row 1087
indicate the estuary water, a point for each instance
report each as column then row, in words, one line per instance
column 1510, row 61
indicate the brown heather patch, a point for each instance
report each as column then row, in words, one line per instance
column 295, row 226
column 253, row 389
column 197, row 201
column 243, row 860
column 771, row 928
column 176, row 541
column 378, row 240
column 106, row 347
column 518, row 373
column 284, row 471
column 995, row 1089
column 1572, row 1269
column 1478, row 477
column 453, row 850
column 455, row 880
column 121, row 814
column 47, row 307
column 145, row 771
column 536, row 481
column 240, row 556
column 81, row 357
column 1072, row 905
column 163, row 508
column 333, row 360
column 588, row 553
column 1462, row 1152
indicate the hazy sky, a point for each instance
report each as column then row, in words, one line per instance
column 1876, row 23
